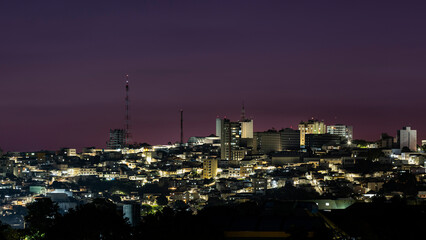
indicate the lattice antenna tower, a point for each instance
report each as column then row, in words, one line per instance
column 243, row 113
column 127, row 118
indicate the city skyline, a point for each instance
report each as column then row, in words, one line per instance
column 234, row 118
column 63, row 65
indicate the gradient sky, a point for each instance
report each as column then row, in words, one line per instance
column 62, row 67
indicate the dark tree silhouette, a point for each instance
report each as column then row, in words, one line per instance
column 405, row 149
column 405, row 182
column 97, row 220
column 41, row 215
column 162, row 200
column 180, row 205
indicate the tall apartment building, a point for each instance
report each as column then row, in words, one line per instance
column 407, row 137
column 341, row 130
column 312, row 126
column 230, row 136
column 116, row 138
column 209, row 168
column 246, row 128
column 234, row 137
column 246, row 124
column 218, row 127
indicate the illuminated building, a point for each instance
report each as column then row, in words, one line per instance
column 341, row 130
column 69, row 152
column 212, row 139
column 312, row 126
column 407, row 137
column 246, row 125
column 230, row 136
column 246, row 128
column 209, row 168
column 116, row 138
column 234, row 136
column 260, row 185
column 239, row 153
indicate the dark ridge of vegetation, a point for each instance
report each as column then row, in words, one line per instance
column 102, row 219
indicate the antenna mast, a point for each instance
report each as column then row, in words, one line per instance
column 243, row 113
column 127, row 130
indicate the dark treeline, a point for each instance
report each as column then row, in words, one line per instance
column 382, row 220
column 102, row 219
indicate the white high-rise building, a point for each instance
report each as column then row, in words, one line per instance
column 246, row 128
column 218, row 127
column 407, row 137
column 341, row 130
column 246, row 125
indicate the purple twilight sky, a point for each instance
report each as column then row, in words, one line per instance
column 62, row 67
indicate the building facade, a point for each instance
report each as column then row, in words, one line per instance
column 341, row 130
column 317, row 141
column 246, row 128
column 290, row 139
column 230, row 136
column 209, row 168
column 407, row 137
column 267, row 142
column 116, row 138
column 312, row 126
